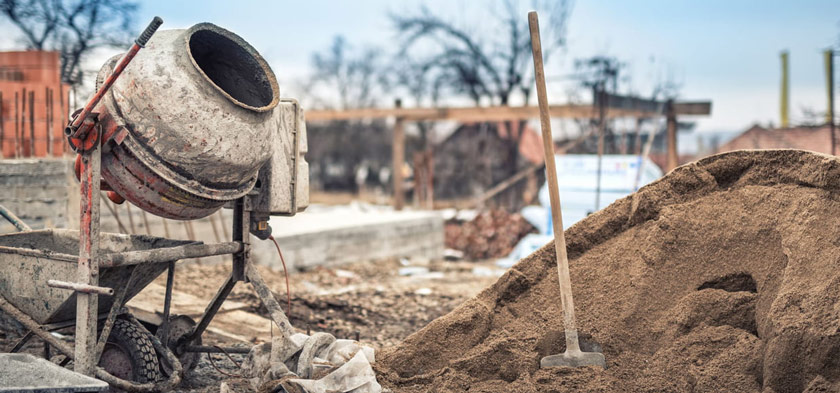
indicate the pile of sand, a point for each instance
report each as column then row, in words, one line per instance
column 721, row 276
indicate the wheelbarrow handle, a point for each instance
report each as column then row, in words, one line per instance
column 12, row 218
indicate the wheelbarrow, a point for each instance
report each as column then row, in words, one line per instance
column 31, row 292
column 129, row 356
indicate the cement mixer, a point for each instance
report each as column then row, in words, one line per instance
column 190, row 124
column 197, row 122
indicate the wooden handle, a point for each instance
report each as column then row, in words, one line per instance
column 572, row 344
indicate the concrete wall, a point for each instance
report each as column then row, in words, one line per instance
column 45, row 193
column 38, row 191
column 337, row 235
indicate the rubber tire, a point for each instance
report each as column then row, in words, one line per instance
column 135, row 342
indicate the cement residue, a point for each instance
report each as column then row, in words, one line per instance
column 721, row 276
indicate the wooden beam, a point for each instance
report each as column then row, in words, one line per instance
column 673, row 159
column 398, row 158
column 495, row 113
column 699, row 108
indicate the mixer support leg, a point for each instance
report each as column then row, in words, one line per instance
column 241, row 234
column 88, row 266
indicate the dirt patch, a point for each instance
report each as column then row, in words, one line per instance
column 721, row 276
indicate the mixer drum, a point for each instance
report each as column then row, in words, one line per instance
column 199, row 106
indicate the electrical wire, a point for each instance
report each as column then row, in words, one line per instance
column 286, row 274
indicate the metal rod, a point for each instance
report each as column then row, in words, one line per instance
column 207, row 349
column 169, row 254
column 39, row 254
column 22, row 122
column 241, row 234
column 2, row 131
column 112, row 317
column 48, row 119
column 87, row 271
column 268, row 300
column 17, row 127
column 212, row 220
column 223, row 224
column 131, row 219
column 32, row 152
column 165, row 227
column 212, row 309
column 146, row 222
column 83, row 288
column 12, row 218
column 116, row 214
column 22, row 342
column 167, row 303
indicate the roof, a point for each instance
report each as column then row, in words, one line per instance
column 815, row 139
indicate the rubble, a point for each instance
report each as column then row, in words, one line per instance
column 491, row 234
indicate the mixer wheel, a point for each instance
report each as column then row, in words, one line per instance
column 180, row 327
column 129, row 353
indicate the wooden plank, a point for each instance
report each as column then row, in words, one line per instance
column 495, row 113
column 699, row 108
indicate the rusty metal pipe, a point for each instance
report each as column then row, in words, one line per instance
column 74, row 129
column 169, row 254
column 83, row 288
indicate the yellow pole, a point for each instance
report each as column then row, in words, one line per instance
column 829, row 85
column 784, row 98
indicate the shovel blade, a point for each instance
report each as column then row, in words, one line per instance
column 574, row 359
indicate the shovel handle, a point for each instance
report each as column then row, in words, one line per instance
column 572, row 344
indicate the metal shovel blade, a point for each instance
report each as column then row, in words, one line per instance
column 574, row 359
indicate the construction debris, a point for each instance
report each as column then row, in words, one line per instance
column 311, row 364
column 491, row 234
column 721, row 276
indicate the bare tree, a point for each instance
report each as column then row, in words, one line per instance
column 486, row 68
column 354, row 78
column 491, row 70
column 72, row 27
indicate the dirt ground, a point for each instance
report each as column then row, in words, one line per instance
column 371, row 301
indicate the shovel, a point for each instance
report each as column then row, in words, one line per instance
column 573, row 357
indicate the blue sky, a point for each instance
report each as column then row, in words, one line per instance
column 725, row 51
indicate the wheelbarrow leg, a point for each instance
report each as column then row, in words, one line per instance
column 241, row 234
column 88, row 268
column 212, row 309
column 22, row 342
column 268, row 300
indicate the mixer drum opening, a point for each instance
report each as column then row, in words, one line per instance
column 232, row 67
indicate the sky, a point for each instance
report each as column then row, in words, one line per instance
column 723, row 51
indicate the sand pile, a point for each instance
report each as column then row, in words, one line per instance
column 722, row 276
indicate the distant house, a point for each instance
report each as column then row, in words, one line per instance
column 474, row 158
column 815, row 139
column 33, row 104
